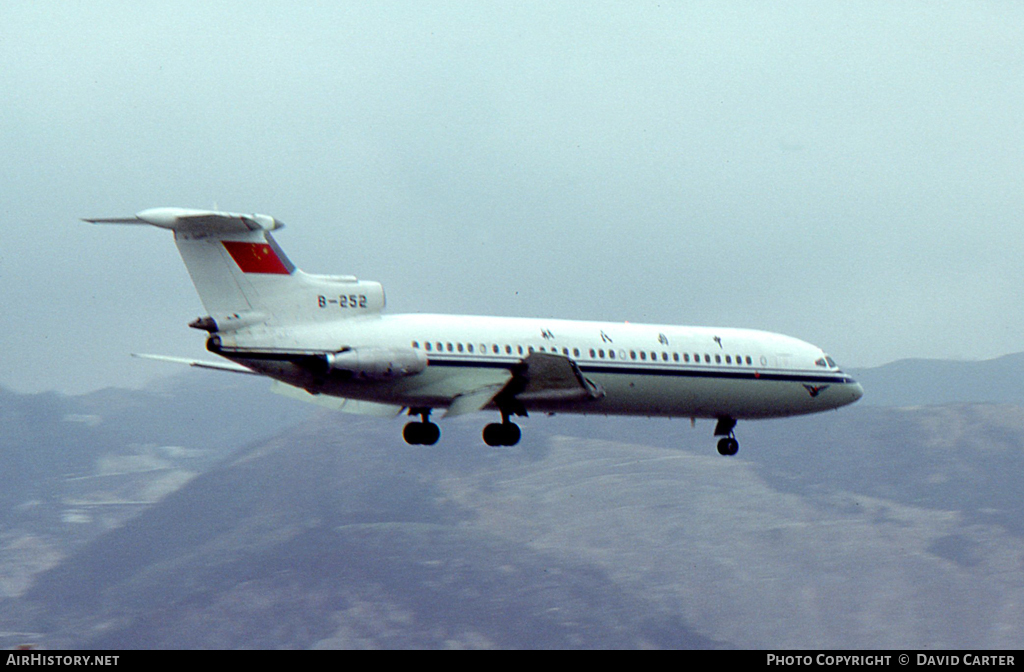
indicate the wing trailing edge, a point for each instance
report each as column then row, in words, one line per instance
column 354, row 406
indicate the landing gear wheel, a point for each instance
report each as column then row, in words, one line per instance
column 411, row 433
column 502, row 434
column 728, row 446
column 431, row 433
column 421, row 433
column 492, row 434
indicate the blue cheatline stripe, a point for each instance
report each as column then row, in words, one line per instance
column 615, row 369
column 797, row 377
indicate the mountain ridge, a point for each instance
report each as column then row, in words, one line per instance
column 877, row 526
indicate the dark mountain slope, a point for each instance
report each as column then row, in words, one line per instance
column 324, row 537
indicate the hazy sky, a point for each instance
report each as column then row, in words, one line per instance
column 847, row 173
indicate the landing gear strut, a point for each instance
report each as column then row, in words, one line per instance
column 504, row 433
column 423, row 433
column 729, row 445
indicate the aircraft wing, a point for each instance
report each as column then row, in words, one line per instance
column 474, row 400
column 199, row 363
column 539, row 377
column 354, row 406
column 336, row 403
column 545, row 376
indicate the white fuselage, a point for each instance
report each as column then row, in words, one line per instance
column 328, row 335
column 651, row 370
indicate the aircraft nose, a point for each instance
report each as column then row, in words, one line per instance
column 856, row 391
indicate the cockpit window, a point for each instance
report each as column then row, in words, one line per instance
column 826, row 362
column 831, row 362
column 820, row 362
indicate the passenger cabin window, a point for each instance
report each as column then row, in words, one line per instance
column 428, row 346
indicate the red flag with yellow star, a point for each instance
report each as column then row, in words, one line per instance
column 255, row 257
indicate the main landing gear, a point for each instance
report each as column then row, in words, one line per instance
column 502, row 433
column 729, row 445
column 423, row 433
column 426, row 433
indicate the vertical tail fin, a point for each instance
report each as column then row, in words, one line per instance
column 244, row 278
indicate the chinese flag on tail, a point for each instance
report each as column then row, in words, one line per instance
column 255, row 257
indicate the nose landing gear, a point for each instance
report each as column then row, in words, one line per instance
column 729, row 445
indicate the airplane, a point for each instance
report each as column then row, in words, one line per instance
column 327, row 337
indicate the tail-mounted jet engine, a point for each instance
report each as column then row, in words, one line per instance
column 377, row 363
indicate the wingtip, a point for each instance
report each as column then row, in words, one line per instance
column 111, row 220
